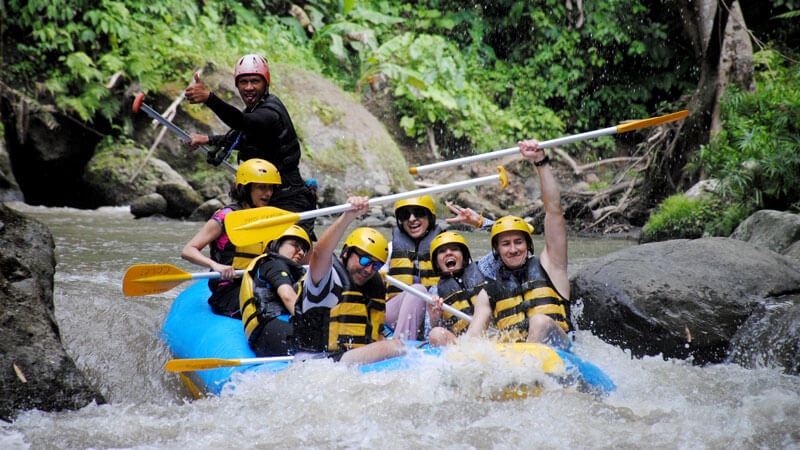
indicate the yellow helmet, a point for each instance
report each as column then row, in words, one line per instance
column 293, row 231
column 257, row 171
column 448, row 237
column 368, row 240
column 425, row 201
column 512, row 223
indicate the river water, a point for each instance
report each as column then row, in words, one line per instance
column 114, row 340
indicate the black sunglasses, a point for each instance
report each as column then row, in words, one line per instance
column 405, row 213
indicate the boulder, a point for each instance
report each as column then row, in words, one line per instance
column 775, row 230
column 770, row 337
column 181, row 199
column 36, row 370
column 793, row 253
column 204, row 212
column 148, row 205
column 108, row 176
column 679, row 298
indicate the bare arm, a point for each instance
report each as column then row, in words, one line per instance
column 192, row 252
column 288, row 296
column 481, row 316
column 554, row 255
column 321, row 256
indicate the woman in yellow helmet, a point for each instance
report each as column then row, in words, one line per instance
column 528, row 297
column 256, row 180
column 457, row 278
column 269, row 291
column 410, row 262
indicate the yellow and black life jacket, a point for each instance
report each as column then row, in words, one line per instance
column 410, row 261
column 231, row 255
column 514, row 300
column 258, row 301
column 356, row 319
column 457, row 291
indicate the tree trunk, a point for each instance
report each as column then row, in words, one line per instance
column 666, row 174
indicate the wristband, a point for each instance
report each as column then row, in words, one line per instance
column 480, row 222
column 542, row 161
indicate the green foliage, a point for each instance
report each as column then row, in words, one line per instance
column 757, row 155
column 73, row 47
column 679, row 217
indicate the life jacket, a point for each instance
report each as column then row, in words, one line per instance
column 287, row 156
column 353, row 319
column 258, row 301
column 514, row 301
column 231, row 255
column 411, row 261
column 457, row 291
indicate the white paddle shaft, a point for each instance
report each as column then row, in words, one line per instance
column 400, row 196
column 510, row 151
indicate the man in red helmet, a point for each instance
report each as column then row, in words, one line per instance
column 262, row 130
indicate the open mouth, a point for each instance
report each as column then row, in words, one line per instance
column 450, row 263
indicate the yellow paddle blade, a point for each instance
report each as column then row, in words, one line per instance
column 146, row 279
column 248, row 226
column 187, row 365
column 637, row 124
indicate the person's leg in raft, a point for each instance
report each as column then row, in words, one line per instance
column 544, row 330
column 271, row 338
column 440, row 336
column 374, row 352
column 405, row 314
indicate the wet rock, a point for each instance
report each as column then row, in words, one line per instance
column 775, row 230
column 9, row 189
column 148, row 205
column 206, row 210
column 108, row 176
column 680, row 298
column 770, row 337
column 182, row 200
column 36, row 371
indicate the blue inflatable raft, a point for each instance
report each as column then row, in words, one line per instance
column 191, row 330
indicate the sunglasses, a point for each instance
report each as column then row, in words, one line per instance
column 366, row 261
column 405, row 213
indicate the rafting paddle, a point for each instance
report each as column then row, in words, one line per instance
column 621, row 128
column 188, row 365
column 146, row 279
column 138, row 103
column 248, row 226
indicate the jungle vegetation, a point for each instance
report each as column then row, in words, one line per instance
column 475, row 75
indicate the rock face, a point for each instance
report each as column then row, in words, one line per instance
column 35, row 372
column 775, row 230
column 108, row 175
column 680, row 298
column 181, row 199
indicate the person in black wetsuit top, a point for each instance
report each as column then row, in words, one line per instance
column 262, row 130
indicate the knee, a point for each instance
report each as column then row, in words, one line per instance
column 540, row 322
column 440, row 336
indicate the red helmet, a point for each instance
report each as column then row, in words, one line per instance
column 251, row 65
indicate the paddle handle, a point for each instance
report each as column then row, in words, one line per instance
column 172, row 127
column 513, row 150
column 502, row 177
column 211, row 275
column 424, row 296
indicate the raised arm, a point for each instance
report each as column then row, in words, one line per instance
column 554, row 255
column 321, row 257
